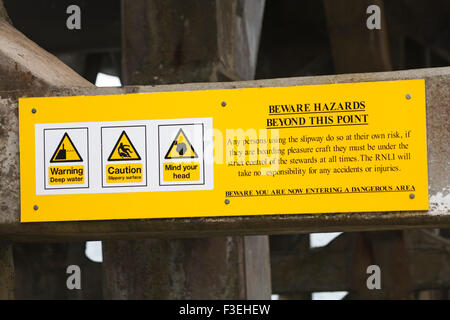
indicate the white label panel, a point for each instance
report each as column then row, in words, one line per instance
column 124, row 156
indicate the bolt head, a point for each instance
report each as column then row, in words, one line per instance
column 35, row 207
column 33, row 110
column 223, row 103
column 408, row 96
column 227, row 201
column 412, row 195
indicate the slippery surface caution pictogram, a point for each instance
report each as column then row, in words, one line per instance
column 181, row 148
column 124, row 156
column 66, row 151
column 124, row 150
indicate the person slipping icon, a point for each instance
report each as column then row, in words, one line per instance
column 124, row 150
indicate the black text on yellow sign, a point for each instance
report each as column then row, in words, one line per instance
column 65, row 175
column 124, row 173
column 181, row 171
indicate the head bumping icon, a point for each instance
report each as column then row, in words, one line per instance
column 181, row 147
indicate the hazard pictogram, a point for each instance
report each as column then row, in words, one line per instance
column 66, row 151
column 181, row 148
column 124, row 150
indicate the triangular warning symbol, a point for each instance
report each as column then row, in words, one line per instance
column 124, row 150
column 66, row 151
column 181, row 147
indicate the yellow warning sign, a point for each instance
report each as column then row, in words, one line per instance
column 335, row 148
column 181, row 171
column 181, row 147
column 66, row 175
column 123, row 173
column 124, row 150
column 66, row 151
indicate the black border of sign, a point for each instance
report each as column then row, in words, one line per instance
column 203, row 153
column 87, row 159
column 145, row 152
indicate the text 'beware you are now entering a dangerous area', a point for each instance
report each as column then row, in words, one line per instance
column 357, row 147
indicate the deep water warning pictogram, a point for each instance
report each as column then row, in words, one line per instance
column 124, row 150
column 181, row 148
column 66, row 151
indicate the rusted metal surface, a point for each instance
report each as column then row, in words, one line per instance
column 355, row 47
column 285, row 245
column 39, row 269
column 44, row 21
column 26, row 66
column 25, row 70
column 6, row 271
column 168, row 269
column 204, row 268
column 427, row 263
column 3, row 13
column 193, row 41
column 258, row 283
column 386, row 250
column 437, row 81
column 199, row 41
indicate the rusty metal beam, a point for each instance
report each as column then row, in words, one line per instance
column 428, row 262
column 193, row 41
column 40, row 271
column 3, row 13
column 6, row 257
column 204, row 268
column 199, row 41
column 355, row 48
column 388, row 251
column 25, row 66
column 437, row 82
column 6, row 271
column 44, row 21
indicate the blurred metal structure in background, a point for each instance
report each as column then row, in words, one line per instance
column 156, row 42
